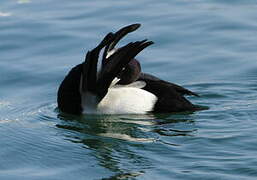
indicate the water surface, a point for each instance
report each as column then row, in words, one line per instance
column 208, row 47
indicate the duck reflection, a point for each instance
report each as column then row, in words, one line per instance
column 116, row 141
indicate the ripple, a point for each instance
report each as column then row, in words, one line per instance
column 127, row 137
column 24, row 1
column 5, row 14
column 5, row 104
column 125, row 175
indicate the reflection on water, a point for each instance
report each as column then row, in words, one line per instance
column 133, row 128
column 125, row 175
column 116, row 141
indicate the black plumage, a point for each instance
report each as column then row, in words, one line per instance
column 121, row 64
column 170, row 96
column 68, row 96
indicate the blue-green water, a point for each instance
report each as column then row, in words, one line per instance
column 209, row 47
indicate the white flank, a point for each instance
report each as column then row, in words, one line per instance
column 120, row 100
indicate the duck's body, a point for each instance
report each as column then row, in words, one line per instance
column 120, row 100
column 120, row 87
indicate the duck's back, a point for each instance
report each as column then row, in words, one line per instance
column 170, row 96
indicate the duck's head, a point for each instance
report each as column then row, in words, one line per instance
column 130, row 73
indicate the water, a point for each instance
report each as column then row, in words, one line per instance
column 206, row 46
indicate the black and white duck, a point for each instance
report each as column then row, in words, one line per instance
column 119, row 86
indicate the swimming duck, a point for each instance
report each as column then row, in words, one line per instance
column 119, row 86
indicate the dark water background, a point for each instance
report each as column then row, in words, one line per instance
column 209, row 47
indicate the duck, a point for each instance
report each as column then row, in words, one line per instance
column 117, row 85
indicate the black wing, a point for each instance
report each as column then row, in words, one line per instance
column 117, row 37
column 116, row 63
column 113, row 66
column 170, row 96
column 179, row 89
